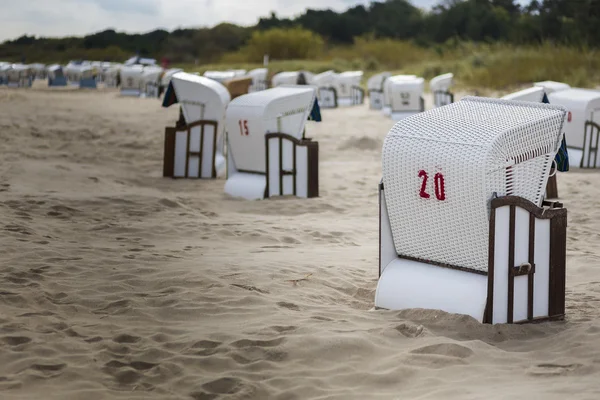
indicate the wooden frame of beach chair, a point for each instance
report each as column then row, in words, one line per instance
column 193, row 147
column 463, row 229
column 267, row 153
column 582, row 127
column 440, row 87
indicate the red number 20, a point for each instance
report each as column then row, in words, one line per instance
column 244, row 127
column 438, row 180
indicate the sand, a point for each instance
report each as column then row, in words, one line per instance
column 116, row 283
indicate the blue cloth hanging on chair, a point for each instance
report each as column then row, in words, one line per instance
column 562, row 157
column 315, row 113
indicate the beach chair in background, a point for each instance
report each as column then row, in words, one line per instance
column 375, row 90
column 534, row 94
column 552, row 86
column 238, row 86
column 56, row 76
column 259, row 79
column 387, row 92
column 284, row 78
column 537, row 94
column 405, row 96
column 38, row 71
column 19, row 76
column 463, row 224
column 166, row 79
column 4, row 67
column 111, row 76
column 348, row 90
column 219, row 76
column 131, row 77
column 292, row 78
column 151, row 80
column 326, row 89
column 440, row 87
column 194, row 148
column 582, row 126
column 87, row 77
column 267, row 152
column 237, row 73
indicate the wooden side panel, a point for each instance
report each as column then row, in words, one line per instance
column 169, row 152
column 558, row 256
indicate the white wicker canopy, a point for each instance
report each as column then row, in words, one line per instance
column 442, row 167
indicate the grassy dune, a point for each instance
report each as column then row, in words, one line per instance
column 484, row 66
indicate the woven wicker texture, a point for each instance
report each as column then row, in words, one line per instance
column 469, row 150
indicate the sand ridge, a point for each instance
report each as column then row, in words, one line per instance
column 119, row 284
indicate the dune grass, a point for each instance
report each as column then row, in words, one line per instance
column 494, row 66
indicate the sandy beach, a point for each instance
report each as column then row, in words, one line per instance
column 117, row 283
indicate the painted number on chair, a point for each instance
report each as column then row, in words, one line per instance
column 244, row 127
column 438, row 186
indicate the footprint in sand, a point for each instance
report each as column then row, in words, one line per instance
column 553, row 369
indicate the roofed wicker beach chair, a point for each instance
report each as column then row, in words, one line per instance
column 375, row 89
column 463, row 224
column 582, row 127
column 267, row 152
column 348, row 90
column 194, row 147
column 440, row 87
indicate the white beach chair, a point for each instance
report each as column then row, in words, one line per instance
column 463, row 227
column 552, row 86
column 440, row 87
column 19, row 75
column 259, row 79
column 131, row 77
column 4, row 67
column 405, row 96
column 237, row 73
column 267, row 153
column 151, row 80
column 194, row 147
column 534, row 94
column 38, row 70
column 219, row 76
column 348, row 90
column 87, row 77
column 582, row 126
column 387, row 92
column 375, row 88
column 56, row 75
column 111, row 76
column 166, row 79
column 291, row 78
column 326, row 89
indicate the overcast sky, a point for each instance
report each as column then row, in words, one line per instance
column 80, row 17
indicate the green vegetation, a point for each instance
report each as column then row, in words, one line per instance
column 492, row 44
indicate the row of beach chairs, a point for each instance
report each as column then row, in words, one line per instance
column 465, row 222
column 265, row 152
